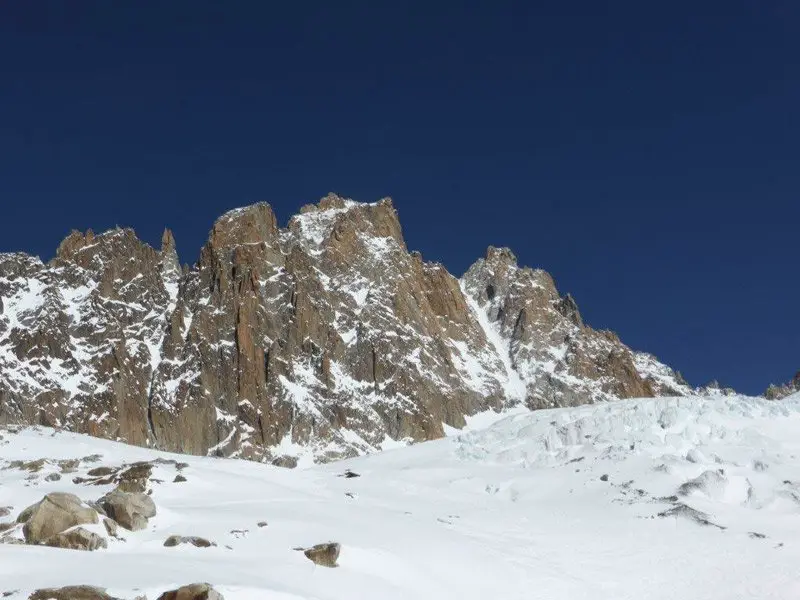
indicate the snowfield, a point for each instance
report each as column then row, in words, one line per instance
column 674, row 498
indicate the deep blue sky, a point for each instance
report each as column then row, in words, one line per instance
column 647, row 154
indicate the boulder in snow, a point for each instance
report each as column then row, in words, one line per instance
column 195, row 591
column 130, row 510
column 77, row 539
column 129, row 478
column 54, row 513
column 101, row 471
column 71, row 592
column 176, row 540
column 287, row 462
column 32, row 466
column 134, row 478
column 68, row 465
column 324, row 554
column 709, row 483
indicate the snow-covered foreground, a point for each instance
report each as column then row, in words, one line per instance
column 522, row 509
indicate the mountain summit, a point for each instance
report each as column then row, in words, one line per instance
column 322, row 340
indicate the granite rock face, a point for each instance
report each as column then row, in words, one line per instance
column 321, row 340
column 79, row 336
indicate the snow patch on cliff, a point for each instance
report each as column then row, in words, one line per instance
column 513, row 385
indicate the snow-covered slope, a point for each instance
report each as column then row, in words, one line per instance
column 656, row 498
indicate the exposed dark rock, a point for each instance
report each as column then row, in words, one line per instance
column 703, row 482
column 691, row 514
column 68, row 465
column 777, row 392
column 131, row 478
column 195, row 591
column 102, row 471
column 176, row 540
column 323, row 554
column 76, row 539
column 32, row 466
column 71, row 592
column 134, row 478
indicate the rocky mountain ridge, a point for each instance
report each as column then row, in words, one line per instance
column 778, row 392
column 324, row 339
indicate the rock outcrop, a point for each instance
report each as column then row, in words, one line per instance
column 324, row 555
column 321, row 340
column 130, row 510
column 715, row 388
column 77, row 538
column 193, row 540
column 54, row 514
column 776, row 392
column 71, row 592
column 195, row 591
column 134, row 477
